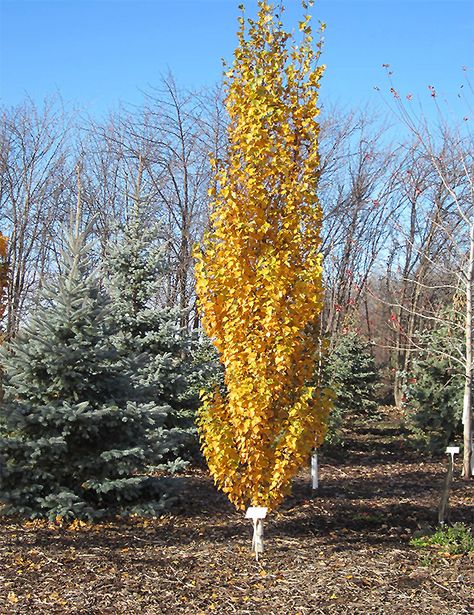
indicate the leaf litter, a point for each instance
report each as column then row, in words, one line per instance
column 344, row 548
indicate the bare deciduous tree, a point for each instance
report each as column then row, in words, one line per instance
column 33, row 177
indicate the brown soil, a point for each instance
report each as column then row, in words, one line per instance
column 345, row 550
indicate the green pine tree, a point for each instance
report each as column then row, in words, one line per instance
column 151, row 336
column 434, row 391
column 75, row 431
column 350, row 371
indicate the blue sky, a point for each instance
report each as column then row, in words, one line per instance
column 99, row 52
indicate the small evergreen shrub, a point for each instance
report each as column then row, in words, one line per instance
column 350, row 371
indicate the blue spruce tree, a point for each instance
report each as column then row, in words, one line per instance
column 76, row 430
column 151, row 337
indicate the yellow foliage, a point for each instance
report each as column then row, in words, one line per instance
column 259, row 269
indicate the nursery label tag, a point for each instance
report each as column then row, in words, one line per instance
column 454, row 450
column 256, row 512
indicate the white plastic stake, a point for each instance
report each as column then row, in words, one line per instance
column 314, row 471
column 257, row 514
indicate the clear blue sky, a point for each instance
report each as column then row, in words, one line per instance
column 99, row 52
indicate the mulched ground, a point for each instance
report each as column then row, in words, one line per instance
column 345, row 550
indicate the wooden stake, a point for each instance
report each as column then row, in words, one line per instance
column 443, row 510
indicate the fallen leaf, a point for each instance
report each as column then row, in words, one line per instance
column 12, row 597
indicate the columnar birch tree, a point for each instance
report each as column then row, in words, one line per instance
column 259, row 269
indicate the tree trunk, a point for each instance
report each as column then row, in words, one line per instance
column 398, row 388
column 467, row 406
